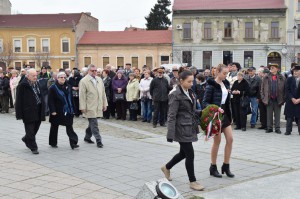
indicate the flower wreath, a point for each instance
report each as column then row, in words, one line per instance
column 210, row 121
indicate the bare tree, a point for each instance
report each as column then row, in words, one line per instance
column 41, row 57
column 7, row 53
column 291, row 54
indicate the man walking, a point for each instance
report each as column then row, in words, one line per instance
column 92, row 103
column 273, row 96
column 30, row 107
column 254, row 92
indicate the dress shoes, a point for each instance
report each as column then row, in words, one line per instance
column 243, row 129
column 35, row 151
column 252, row 126
column 237, row 128
column 287, row 133
column 269, row 131
column 99, row 144
column 278, row 131
column 196, row 186
column 167, row 173
column 89, row 141
column 74, row 146
column 261, row 128
column 54, row 146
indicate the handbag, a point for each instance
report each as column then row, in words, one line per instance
column 134, row 106
column 119, row 96
column 144, row 98
column 244, row 101
column 75, row 93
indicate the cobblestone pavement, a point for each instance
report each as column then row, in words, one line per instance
column 133, row 154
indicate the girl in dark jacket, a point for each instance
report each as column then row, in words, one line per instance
column 61, row 111
column 240, row 88
column 217, row 93
column 182, row 126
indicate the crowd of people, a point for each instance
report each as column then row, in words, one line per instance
column 173, row 99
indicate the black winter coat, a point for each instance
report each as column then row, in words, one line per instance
column 292, row 110
column 26, row 105
column 182, row 116
column 4, row 85
column 159, row 89
column 56, row 104
column 107, row 84
column 213, row 95
column 254, row 86
column 243, row 87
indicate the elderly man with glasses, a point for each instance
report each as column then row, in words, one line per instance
column 92, row 103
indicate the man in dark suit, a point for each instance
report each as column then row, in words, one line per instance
column 292, row 107
column 30, row 107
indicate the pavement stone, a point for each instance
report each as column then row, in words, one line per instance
column 133, row 154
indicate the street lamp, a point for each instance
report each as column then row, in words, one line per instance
column 294, row 28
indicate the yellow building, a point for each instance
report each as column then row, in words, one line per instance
column 151, row 48
column 42, row 39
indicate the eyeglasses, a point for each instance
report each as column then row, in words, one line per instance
column 93, row 70
column 62, row 77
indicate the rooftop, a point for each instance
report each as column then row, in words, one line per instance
column 227, row 5
column 127, row 37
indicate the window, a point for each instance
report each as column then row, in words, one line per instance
column 18, row 65
column 105, row 61
column 65, row 64
column 149, row 61
column 135, row 62
column 227, row 57
column 45, row 45
column 32, row 64
column 164, row 59
column 88, row 61
column 17, row 45
column 207, row 59
column 187, row 57
column 298, row 5
column 207, row 31
column 275, row 30
column 45, row 63
column 120, row 62
column 249, row 30
column 248, row 59
column 31, row 45
column 65, row 46
column 227, row 30
column 187, row 32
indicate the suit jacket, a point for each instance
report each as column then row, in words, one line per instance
column 92, row 98
column 292, row 110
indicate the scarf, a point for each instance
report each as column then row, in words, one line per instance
column 37, row 92
column 67, row 100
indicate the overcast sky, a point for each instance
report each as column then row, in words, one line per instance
column 112, row 14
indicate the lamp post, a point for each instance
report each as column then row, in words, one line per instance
column 295, row 55
column 76, row 51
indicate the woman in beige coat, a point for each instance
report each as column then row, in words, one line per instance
column 92, row 103
column 132, row 96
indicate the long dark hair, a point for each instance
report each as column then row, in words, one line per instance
column 185, row 74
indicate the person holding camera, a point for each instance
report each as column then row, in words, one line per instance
column 146, row 99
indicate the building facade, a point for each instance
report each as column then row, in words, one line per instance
column 207, row 33
column 5, row 7
column 28, row 40
column 151, row 48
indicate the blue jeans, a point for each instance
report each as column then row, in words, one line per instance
column 147, row 110
column 254, row 106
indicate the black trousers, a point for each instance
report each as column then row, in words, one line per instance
column 73, row 138
column 186, row 151
column 76, row 106
column 31, row 130
column 106, row 114
column 4, row 101
column 233, row 110
column 262, row 114
column 240, row 115
column 289, row 125
column 161, row 108
column 121, row 107
column 112, row 107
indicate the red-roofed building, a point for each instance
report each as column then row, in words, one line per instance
column 151, row 48
column 43, row 39
column 209, row 32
